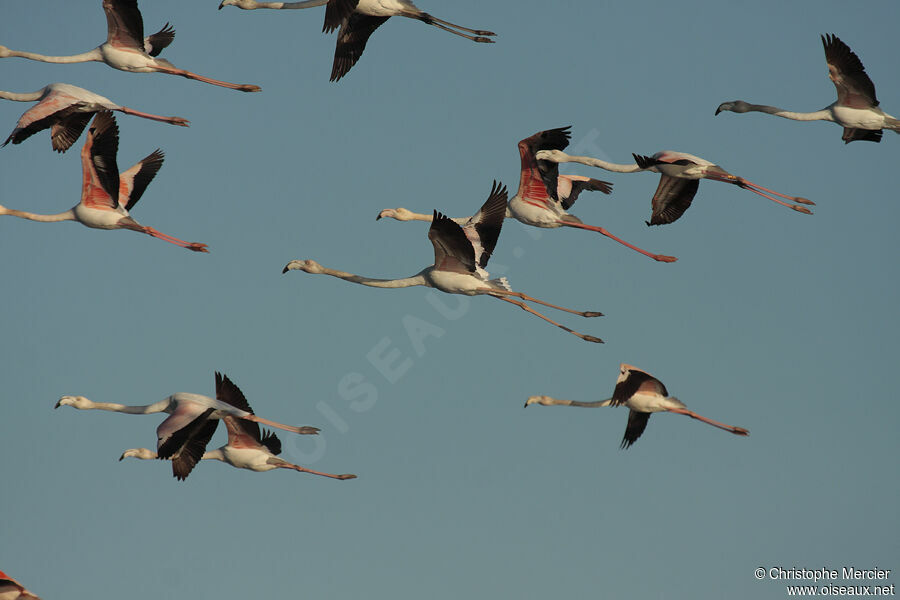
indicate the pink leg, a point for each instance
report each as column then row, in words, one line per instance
column 747, row 185
column 475, row 31
column 233, row 86
column 137, row 113
column 525, row 307
column 659, row 257
column 693, row 415
column 291, row 428
column 196, row 247
column 536, row 301
column 288, row 465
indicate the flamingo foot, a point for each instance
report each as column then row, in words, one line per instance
column 802, row 209
column 346, row 476
column 740, row 431
column 248, row 88
column 483, row 40
column 196, row 247
column 590, row 338
column 308, row 430
column 804, row 201
column 664, row 258
column 591, row 314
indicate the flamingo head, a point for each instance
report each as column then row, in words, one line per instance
column 400, row 214
column 542, row 400
column 551, row 155
column 142, row 453
column 4, row 52
column 79, row 402
column 245, row 4
column 310, row 266
column 738, row 106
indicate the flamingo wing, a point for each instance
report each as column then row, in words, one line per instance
column 229, row 393
column 100, row 173
column 154, row 44
column 64, row 113
column 8, row 584
column 135, row 180
column 637, row 423
column 271, row 442
column 483, row 228
column 538, row 178
column 452, row 249
column 67, row 129
column 192, row 448
column 336, row 12
column 351, row 41
column 637, row 381
column 673, row 196
column 846, row 71
column 869, row 135
column 570, row 187
column 124, row 24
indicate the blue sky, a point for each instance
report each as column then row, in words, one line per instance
column 771, row 320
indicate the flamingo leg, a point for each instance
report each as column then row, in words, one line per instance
column 173, row 120
column 194, row 246
column 693, row 415
column 455, row 26
column 288, row 465
column 426, row 18
column 748, row 185
column 291, row 428
column 659, row 257
column 536, row 301
column 526, row 308
column 242, row 87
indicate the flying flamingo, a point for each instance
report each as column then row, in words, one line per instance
column 642, row 394
column 544, row 195
column 67, row 109
column 681, row 174
column 127, row 49
column 246, row 448
column 358, row 19
column 181, row 435
column 460, row 254
column 10, row 589
column 107, row 195
column 856, row 108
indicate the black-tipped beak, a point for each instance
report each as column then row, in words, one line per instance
column 284, row 270
column 378, row 217
column 526, row 404
column 718, row 110
column 220, row 6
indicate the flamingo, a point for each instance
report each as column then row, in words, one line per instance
column 10, row 589
column 544, row 195
column 358, row 19
column 102, row 182
column 246, row 448
column 856, row 108
column 460, row 254
column 184, row 434
column 67, row 109
column 681, row 174
column 127, row 49
column 643, row 394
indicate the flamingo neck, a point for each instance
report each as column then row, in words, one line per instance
column 23, row 97
column 68, row 215
column 92, row 55
column 417, row 279
column 596, row 162
column 290, row 5
column 146, row 409
column 216, row 454
column 819, row 115
column 547, row 401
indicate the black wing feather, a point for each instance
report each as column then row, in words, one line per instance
column 193, row 450
column 550, row 139
column 852, row 135
column 229, row 393
column 489, row 220
column 450, row 237
column 351, row 42
column 673, row 196
column 104, row 148
column 854, row 87
column 271, row 441
column 578, row 186
column 154, row 44
column 336, row 12
column 637, row 423
column 629, row 387
column 149, row 168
